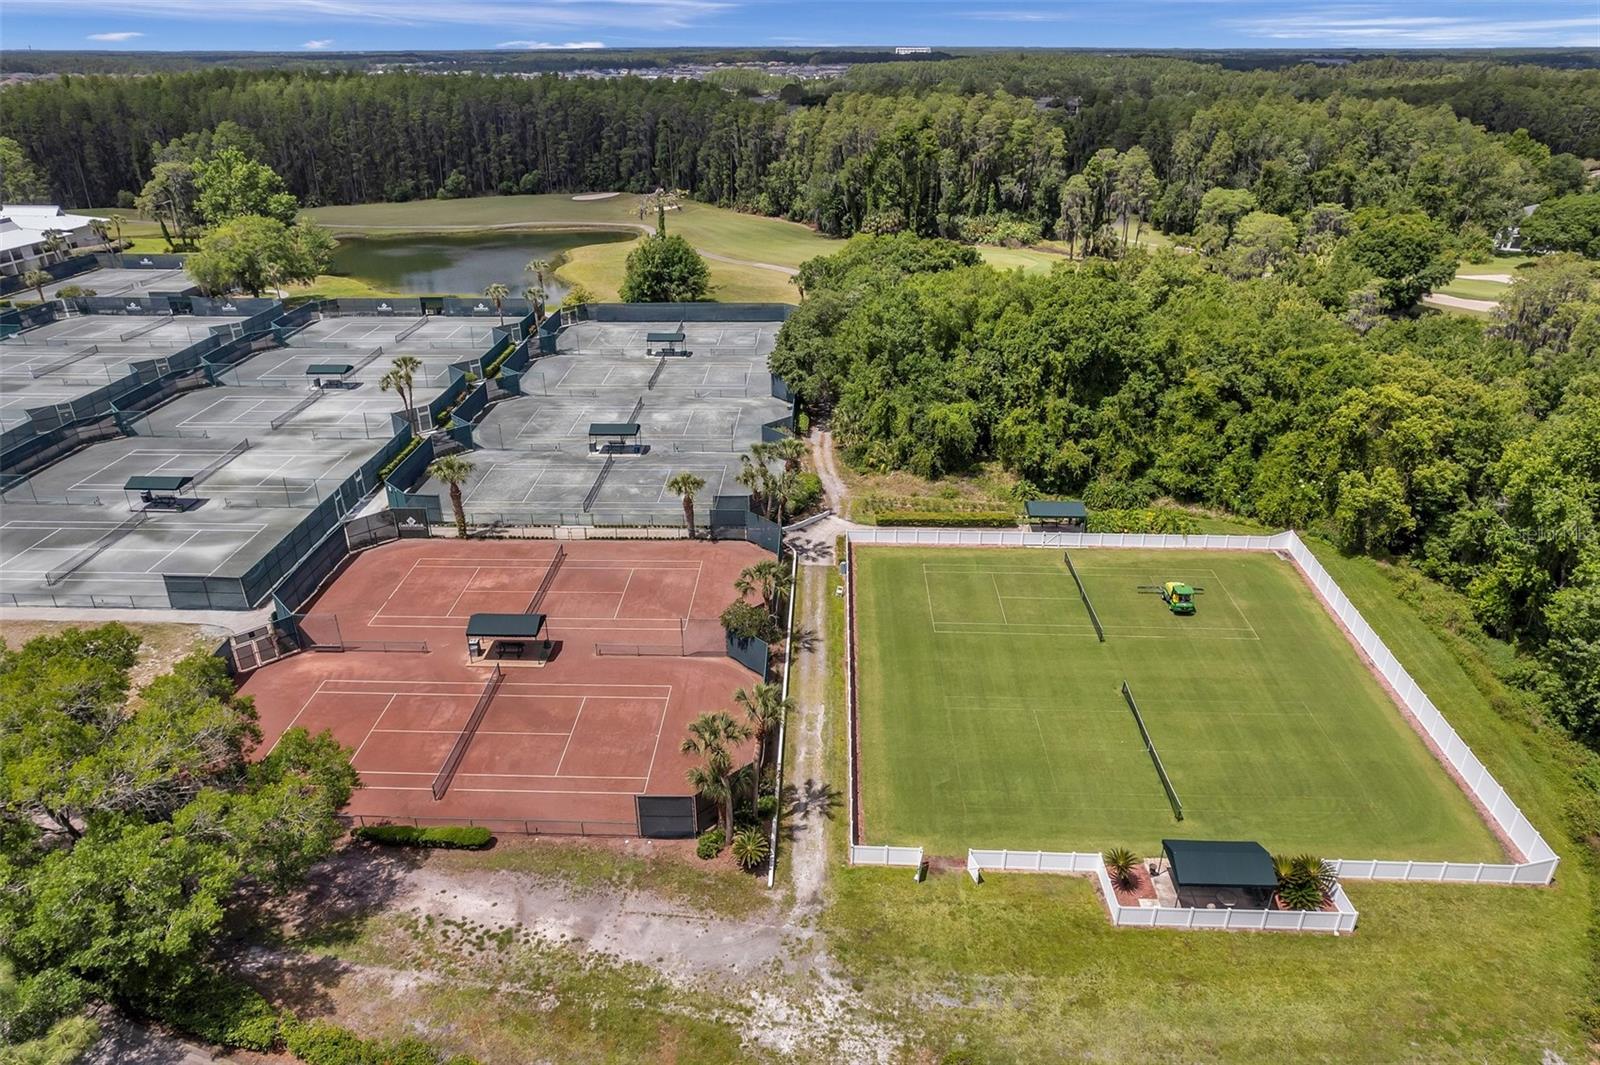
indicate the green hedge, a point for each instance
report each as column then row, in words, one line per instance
column 985, row 519
column 224, row 1011
column 1143, row 520
column 389, row 467
column 450, row 837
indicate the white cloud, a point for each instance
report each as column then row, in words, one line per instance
column 120, row 35
column 318, row 45
column 659, row 14
column 1020, row 16
column 1374, row 27
column 546, row 46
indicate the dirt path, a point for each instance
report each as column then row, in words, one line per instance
column 816, row 800
column 822, row 457
column 1439, row 299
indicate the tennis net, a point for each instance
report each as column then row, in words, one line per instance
column 146, row 328
column 594, row 489
column 1084, row 594
column 412, row 328
column 222, row 460
column 549, row 579
column 452, row 761
column 106, row 539
column 1155, row 756
column 294, row 412
column 62, row 364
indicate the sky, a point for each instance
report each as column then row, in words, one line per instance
column 380, row 25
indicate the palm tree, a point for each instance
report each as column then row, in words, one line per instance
column 102, row 229
column 399, row 378
column 710, row 737
column 538, row 268
column 52, row 242
column 453, row 470
column 1121, row 863
column 497, row 294
column 116, row 223
column 766, row 578
column 536, row 295
column 789, row 448
column 764, row 708
column 37, row 280
column 750, row 848
column 685, row 485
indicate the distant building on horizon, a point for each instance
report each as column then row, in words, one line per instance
column 913, row 49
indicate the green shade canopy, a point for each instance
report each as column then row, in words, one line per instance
column 505, row 626
column 147, row 482
column 664, row 338
column 1220, row 863
column 613, row 428
column 328, row 369
column 1057, row 508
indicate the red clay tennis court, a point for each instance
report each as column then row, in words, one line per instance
column 561, row 747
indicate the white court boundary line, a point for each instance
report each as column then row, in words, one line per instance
column 664, row 701
column 1537, row 861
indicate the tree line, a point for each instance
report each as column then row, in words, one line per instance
column 1301, row 397
column 934, row 148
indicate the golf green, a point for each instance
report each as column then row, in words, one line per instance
column 991, row 716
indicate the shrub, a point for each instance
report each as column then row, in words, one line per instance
column 805, row 492
column 1303, row 880
column 223, row 1011
column 709, row 845
column 1147, row 520
column 766, row 806
column 1120, row 863
column 750, row 848
column 802, row 423
column 447, row 837
column 746, row 621
column 68, row 292
column 979, row 519
column 390, row 466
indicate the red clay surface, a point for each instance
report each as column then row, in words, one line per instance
column 573, row 741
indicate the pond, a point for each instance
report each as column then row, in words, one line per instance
column 460, row 264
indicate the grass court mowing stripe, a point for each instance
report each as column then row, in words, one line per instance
column 990, row 716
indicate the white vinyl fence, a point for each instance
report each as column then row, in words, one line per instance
column 1539, row 860
column 864, row 854
column 1341, row 919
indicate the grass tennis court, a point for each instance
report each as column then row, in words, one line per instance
column 990, row 716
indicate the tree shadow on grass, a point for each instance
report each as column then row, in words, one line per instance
column 279, row 942
column 805, row 801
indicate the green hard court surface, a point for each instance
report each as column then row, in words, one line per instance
column 990, row 716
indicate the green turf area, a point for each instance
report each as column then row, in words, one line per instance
column 990, row 716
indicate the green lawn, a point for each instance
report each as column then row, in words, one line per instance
column 1025, row 968
column 991, row 716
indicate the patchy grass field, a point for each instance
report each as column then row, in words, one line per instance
column 1024, row 968
column 992, row 717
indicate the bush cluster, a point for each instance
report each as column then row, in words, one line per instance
column 448, row 837
column 231, row 1013
column 1143, row 520
column 393, row 464
column 709, row 845
column 998, row 229
column 978, row 519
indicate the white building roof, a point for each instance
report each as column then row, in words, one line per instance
column 42, row 216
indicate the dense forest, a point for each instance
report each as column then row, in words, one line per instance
column 919, row 146
column 1473, row 451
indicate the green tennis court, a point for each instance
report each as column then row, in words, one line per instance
column 991, row 716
